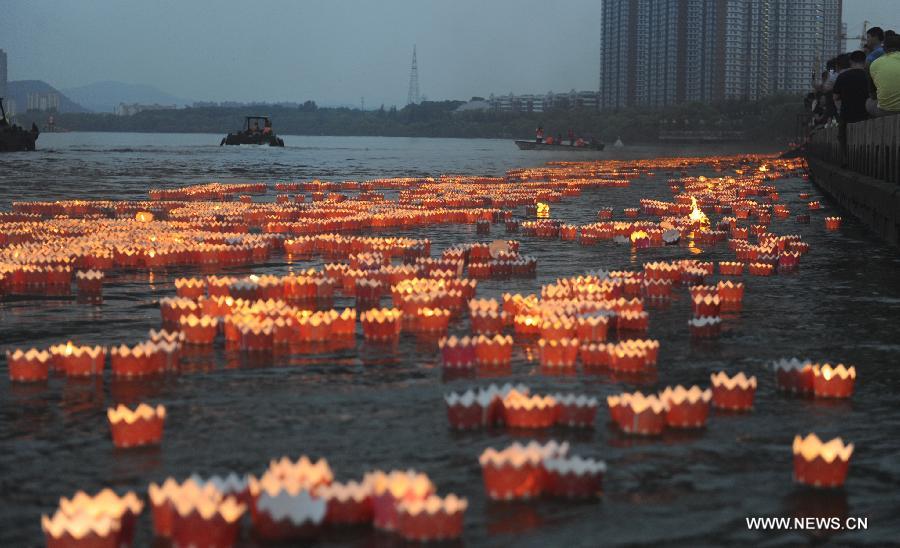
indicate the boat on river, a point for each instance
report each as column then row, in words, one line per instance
column 15, row 138
column 534, row 145
column 254, row 135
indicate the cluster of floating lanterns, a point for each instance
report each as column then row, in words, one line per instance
column 524, row 472
column 516, row 407
column 292, row 501
column 598, row 319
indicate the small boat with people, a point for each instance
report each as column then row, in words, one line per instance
column 252, row 134
column 15, row 138
column 575, row 144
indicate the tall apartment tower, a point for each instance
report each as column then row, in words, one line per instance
column 3, row 74
column 660, row 52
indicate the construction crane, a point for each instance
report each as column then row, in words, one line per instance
column 861, row 37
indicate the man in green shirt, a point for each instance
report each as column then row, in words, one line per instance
column 885, row 73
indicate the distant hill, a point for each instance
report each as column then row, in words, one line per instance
column 20, row 89
column 106, row 96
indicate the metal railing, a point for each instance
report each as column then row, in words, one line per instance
column 873, row 147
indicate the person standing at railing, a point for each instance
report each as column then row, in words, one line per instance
column 851, row 91
column 874, row 44
column 885, row 73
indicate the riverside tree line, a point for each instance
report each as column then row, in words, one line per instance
column 772, row 118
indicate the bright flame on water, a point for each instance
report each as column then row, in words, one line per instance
column 543, row 210
column 697, row 215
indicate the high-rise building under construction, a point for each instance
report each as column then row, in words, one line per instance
column 660, row 52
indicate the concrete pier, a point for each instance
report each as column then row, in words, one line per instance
column 868, row 187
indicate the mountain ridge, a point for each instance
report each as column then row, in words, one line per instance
column 105, row 95
column 18, row 90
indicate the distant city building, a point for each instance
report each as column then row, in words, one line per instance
column 660, row 52
column 238, row 104
column 130, row 109
column 474, row 105
column 3, row 74
column 43, row 102
column 543, row 103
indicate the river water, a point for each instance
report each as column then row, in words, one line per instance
column 364, row 408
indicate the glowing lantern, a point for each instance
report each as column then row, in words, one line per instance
column 143, row 217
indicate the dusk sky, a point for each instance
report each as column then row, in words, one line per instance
column 333, row 52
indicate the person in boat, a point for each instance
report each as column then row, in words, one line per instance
column 579, row 142
column 256, row 126
column 539, row 134
column 267, row 127
column 571, row 137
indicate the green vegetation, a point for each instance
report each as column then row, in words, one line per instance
column 770, row 120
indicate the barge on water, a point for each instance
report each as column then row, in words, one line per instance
column 534, row 145
column 14, row 138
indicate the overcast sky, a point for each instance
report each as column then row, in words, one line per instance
column 333, row 51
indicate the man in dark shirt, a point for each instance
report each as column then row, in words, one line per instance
column 852, row 90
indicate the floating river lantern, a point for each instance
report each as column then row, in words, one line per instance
column 431, row 519
column 821, row 464
column 705, row 327
column 457, row 353
column 487, row 322
column 89, row 282
column 199, row 330
column 29, row 366
column 381, row 325
column 833, row 381
column 560, row 353
column 62, row 531
column 432, row 320
column 706, row 305
column 79, row 361
column 794, row 375
column 347, row 503
column 632, row 321
column 575, row 411
column 391, row 489
column 523, row 411
column 493, row 353
column 832, row 223
column 543, row 210
column 638, row 414
column 190, row 288
column 286, row 515
column 733, row 393
column 517, row 472
column 230, row 485
column 123, row 511
column 686, row 408
column 591, row 328
column 731, row 268
column 142, row 426
column 760, row 269
column 730, row 292
column 143, row 217
column 471, row 410
column 574, row 477
column 203, row 519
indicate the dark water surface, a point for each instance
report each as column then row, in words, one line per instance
column 373, row 407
